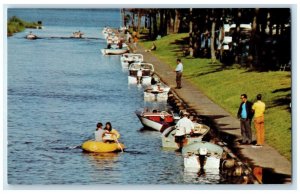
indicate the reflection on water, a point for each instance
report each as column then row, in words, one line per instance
column 202, row 176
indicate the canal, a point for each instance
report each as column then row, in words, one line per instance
column 59, row 88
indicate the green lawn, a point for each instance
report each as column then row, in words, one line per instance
column 225, row 84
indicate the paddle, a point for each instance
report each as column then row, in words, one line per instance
column 116, row 140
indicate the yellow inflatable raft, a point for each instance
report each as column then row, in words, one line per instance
column 101, row 147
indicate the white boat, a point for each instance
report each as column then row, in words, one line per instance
column 147, row 71
column 113, row 51
column 128, row 58
column 156, row 120
column 208, row 152
column 31, row 36
column 156, row 92
column 116, row 46
column 168, row 136
column 77, row 34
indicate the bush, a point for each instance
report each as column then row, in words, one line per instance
column 15, row 25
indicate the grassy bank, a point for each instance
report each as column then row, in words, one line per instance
column 225, row 84
column 15, row 25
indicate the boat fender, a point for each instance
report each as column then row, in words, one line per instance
column 228, row 163
column 238, row 171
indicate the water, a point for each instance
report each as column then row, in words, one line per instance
column 58, row 89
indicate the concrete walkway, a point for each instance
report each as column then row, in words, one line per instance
column 273, row 164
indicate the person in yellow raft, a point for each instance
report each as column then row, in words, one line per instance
column 110, row 135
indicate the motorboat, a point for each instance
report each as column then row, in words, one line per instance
column 147, row 71
column 102, row 147
column 77, row 34
column 157, row 92
column 202, row 154
column 31, row 36
column 129, row 58
column 156, row 120
column 168, row 136
column 114, row 51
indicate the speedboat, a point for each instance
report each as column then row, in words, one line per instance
column 156, row 120
column 157, row 92
column 128, row 58
column 114, row 51
column 202, row 154
column 147, row 71
column 168, row 136
column 77, row 34
column 31, row 36
column 101, row 147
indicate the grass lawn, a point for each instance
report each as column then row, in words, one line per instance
column 225, row 84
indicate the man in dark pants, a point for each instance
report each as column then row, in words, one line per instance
column 245, row 115
column 178, row 70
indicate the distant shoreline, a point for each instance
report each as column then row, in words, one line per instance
column 15, row 25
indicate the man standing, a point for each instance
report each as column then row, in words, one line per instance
column 183, row 127
column 245, row 115
column 259, row 120
column 178, row 70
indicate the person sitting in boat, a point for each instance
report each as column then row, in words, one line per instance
column 139, row 76
column 110, row 135
column 108, row 46
column 120, row 44
column 99, row 132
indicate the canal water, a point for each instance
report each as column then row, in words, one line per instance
column 59, row 88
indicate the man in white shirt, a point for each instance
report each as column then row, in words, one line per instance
column 178, row 70
column 186, row 123
column 99, row 132
column 183, row 127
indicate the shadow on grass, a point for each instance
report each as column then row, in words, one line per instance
column 283, row 100
column 182, row 41
column 282, row 90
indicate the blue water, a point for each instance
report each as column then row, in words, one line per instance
column 58, row 89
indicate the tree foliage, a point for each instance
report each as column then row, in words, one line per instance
column 266, row 45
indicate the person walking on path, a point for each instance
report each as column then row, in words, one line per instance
column 259, row 120
column 245, row 115
column 135, row 40
column 178, row 70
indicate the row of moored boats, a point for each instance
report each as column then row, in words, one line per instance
column 196, row 152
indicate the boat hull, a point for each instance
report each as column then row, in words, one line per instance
column 151, row 124
column 191, row 155
column 168, row 137
column 113, row 51
column 146, row 80
column 101, row 147
column 149, row 96
column 31, row 37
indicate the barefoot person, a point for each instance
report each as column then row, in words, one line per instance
column 259, row 120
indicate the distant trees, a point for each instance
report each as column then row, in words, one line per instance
column 265, row 45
